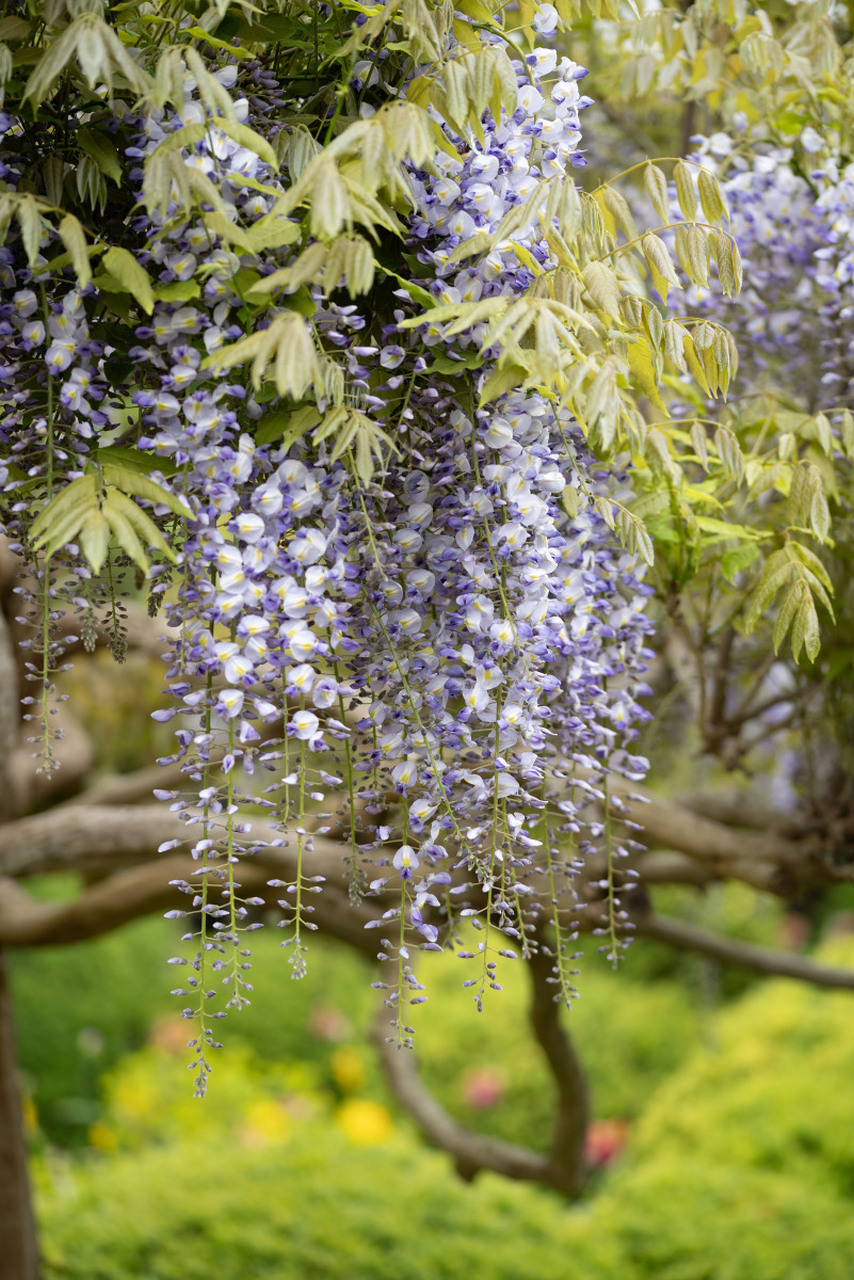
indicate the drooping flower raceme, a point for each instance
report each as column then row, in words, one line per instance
column 447, row 637
column 795, row 234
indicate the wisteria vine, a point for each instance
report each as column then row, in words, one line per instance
column 456, row 645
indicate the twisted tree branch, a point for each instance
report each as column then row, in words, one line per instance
column 472, row 1152
column 563, row 1168
column 744, row 955
column 567, row 1164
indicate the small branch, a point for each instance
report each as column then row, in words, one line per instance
column 89, row 838
column 9, row 711
column 743, row 955
column 716, row 723
column 103, row 838
column 740, row 808
column 673, row 868
column 130, row 788
column 689, row 116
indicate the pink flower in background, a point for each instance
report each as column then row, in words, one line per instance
column 484, row 1087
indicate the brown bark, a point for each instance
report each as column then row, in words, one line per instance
column 563, row 1167
column 744, row 955
column 567, row 1167
column 472, row 1151
column 18, row 1248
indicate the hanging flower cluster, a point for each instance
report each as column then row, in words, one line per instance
column 53, row 401
column 455, row 637
column 795, row 232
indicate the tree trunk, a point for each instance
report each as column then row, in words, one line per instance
column 19, row 1259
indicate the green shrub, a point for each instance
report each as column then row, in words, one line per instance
column 630, row 1037
column 739, row 1168
column 77, row 1011
column 80, row 1009
column 316, row 1207
column 684, row 1216
column 742, row 1167
column 773, row 1089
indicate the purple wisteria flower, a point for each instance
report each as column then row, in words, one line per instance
column 794, row 233
column 448, row 637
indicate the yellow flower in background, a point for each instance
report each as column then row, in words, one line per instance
column 103, row 1138
column 135, row 1096
column 347, row 1069
column 265, row 1122
column 365, row 1123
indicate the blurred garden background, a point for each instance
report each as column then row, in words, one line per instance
column 722, row 1108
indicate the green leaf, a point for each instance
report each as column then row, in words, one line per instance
column 698, row 440
column 774, row 576
column 123, row 266
column 501, row 380
column 124, row 532
column 618, row 207
column 736, row 561
column 724, row 530
column 602, row 507
column 58, row 521
column 141, row 485
column 811, row 561
column 660, row 265
column 448, row 365
column 129, row 459
column 73, row 237
column 571, row 501
column 286, row 343
column 50, row 66
column 644, row 373
column 187, row 136
column 286, row 426
column 698, row 370
column 14, row 28
column 786, row 614
column 656, row 188
column 711, row 197
column 30, row 222
column 221, row 225
column 806, row 633
column 94, row 538
column 177, row 291
column 697, row 254
column 101, row 148
column 234, row 51
column 604, row 288
column 415, row 291
column 686, row 192
column 119, row 507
